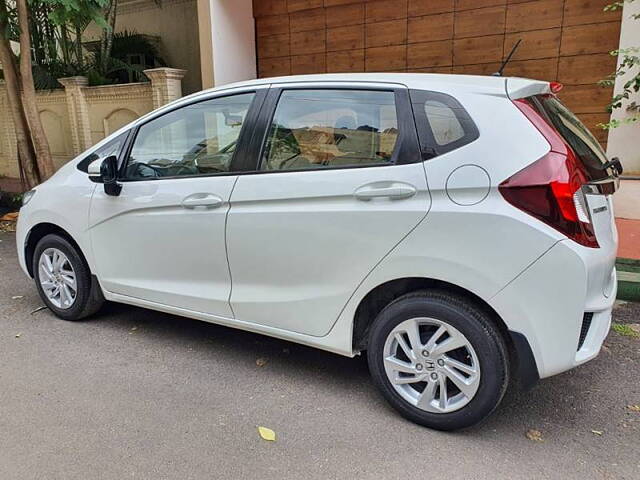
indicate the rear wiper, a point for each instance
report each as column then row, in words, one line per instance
column 615, row 164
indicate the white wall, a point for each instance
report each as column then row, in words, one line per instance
column 624, row 141
column 233, row 38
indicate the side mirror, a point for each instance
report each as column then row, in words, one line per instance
column 107, row 174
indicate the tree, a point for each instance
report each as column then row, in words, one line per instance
column 629, row 64
column 39, row 138
column 29, row 169
column 58, row 19
column 106, row 40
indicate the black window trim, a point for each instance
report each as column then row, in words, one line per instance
column 119, row 154
column 260, row 93
column 406, row 151
column 428, row 144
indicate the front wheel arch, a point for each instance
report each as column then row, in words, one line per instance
column 38, row 232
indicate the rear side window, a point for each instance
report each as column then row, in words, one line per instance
column 577, row 136
column 443, row 123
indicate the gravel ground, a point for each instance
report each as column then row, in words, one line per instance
column 140, row 394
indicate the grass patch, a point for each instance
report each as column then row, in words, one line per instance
column 625, row 330
column 628, row 265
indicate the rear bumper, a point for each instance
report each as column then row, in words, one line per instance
column 546, row 305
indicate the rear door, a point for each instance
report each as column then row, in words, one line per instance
column 338, row 183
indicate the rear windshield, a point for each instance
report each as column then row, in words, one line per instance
column 579, row 138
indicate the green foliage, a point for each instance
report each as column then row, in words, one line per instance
column 56, row 28
column 10, row 201
column 619, row 6
column 76, row 12
column 629, row 62
column 127, row 42
column 625, row 330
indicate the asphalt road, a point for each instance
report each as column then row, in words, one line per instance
column 138, row 394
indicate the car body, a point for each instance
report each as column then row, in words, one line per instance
column 305, row 226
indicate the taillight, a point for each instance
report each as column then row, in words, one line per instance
column 550, row 189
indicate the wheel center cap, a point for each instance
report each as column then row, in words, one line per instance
column 429, row 365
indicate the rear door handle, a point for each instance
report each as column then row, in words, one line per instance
column 207, row 200
column 394, row 192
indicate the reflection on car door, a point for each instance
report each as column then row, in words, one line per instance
column 162, row 239
column 340, row 184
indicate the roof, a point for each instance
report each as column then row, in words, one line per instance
column 486, row 84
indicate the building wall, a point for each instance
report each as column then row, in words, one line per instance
column 175, row 22
column 78, row 116
column 227, row 41
column 623, row 141
column 562, row 40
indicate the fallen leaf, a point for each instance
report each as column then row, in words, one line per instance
column 267, row 434
column 261, row 362
column 596, row 432
column 18, row 335
column 7, row 226
column 17, row 297
column 9, row 217
column 634, row 408
column 534, row 435
column 38, row 309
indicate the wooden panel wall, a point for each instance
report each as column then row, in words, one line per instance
column 562, row 40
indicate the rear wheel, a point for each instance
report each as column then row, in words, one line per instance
column 438, row 359
column 63, row 279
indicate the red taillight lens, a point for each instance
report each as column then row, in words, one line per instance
column 550, row 189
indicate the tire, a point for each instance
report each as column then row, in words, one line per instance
column 88, row 297
column 483, row 359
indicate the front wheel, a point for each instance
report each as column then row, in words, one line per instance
column 63, row 279
column 438, row 359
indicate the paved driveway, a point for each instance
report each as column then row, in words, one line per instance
column 139, row 394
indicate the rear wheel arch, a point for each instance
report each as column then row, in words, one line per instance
column 520, row 355
column 38, row 232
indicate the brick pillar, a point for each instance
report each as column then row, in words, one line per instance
column 8, row 142
column 78, row 112
column 166, row 84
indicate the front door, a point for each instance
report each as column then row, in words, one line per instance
column 162, row 239
column 339, row 183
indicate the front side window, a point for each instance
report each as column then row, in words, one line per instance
column 110, row 148
column 331, row 128
column 198, row 139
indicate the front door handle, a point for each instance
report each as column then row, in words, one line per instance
column 395, row 191
column 207, row 200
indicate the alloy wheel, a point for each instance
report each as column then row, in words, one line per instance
column 57, row 278
column 432, row 365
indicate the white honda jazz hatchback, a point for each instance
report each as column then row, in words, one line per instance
column 458, row 229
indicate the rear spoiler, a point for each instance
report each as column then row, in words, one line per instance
column 523, row 87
